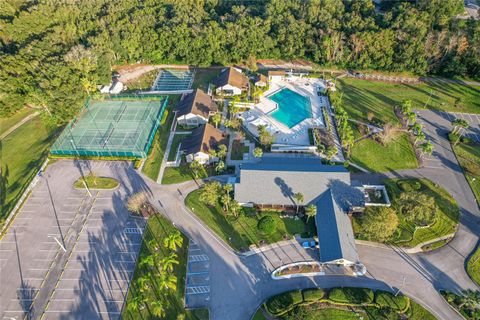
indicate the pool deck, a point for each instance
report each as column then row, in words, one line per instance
column 297, row 135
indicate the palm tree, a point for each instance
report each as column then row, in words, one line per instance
column 168, row 262
column 417, row 127
column 148, row 261
column 459, row 126
column 411, row 118
column 225, row 199
column 257, row 152
column 235, row 207
column 406, row 106
column 220, row 166
column 311, row 211
column 427, row 147
column 228, row 188
column 153, row 244
column 137, row 201
column 142, row 284
column 420, row 137
column 299, row 198
column 173, row 240
column 137, row 303
column 216, row 118
column 167, row 281
column 157, row 309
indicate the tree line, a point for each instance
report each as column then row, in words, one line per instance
column 54, row 53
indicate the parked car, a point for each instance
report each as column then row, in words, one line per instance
column 309, row 244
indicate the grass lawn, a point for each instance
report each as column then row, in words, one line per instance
column 7, row 123
column 332, row 314
column 238, row 149
column 372, row 155
column 93, row 182
column 468, row 156
column 157, row 150
column 447, row 214
column 242, row 232
column 204, row 76
column 473, row 266
column 23, row 153
column 173, row 300
column 361, row 96
column 177, row 139
column 417, row 312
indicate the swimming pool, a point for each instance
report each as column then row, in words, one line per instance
column 293, row 108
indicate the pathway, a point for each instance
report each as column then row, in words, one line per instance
column 19, row 124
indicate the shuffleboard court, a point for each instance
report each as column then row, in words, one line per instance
column 173, row 80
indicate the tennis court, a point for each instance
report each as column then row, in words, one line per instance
column 112, row 128
column 173, row 80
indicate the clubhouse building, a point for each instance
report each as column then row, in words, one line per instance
column 272, row 183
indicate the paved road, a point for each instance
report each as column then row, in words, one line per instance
column 237, row 285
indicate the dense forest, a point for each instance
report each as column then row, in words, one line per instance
column 55, row 52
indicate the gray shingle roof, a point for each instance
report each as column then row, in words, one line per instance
column 197, row 102
column 334, row 229
column 274, row 180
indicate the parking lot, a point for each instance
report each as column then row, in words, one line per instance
column 473, row 132
column 197, row 290
column 436, row 126
column 90, row 278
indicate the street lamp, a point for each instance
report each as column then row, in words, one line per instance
column 59, row 243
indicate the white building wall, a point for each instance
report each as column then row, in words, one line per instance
column 191, row 120
column 234, row 90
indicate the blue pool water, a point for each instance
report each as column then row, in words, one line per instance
column 293, row 108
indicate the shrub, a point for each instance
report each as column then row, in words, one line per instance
column 284, row 302
column 313, row 295
column 453, row 137
column 408, row 186
column 387, row 300
column 267, row 224
column 350, row 295
column 379, row 223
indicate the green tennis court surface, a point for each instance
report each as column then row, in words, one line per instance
column 113, row 128
column 173, row 80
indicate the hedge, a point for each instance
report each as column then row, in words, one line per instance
column 313, row 295
column 348, row 295
column 284, row 302
column 387, row 299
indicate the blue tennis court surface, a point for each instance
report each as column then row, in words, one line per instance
column 173, row 80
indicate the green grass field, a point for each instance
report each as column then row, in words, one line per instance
column 177, row 139
column 7, row 123
column 362, row 96
column 22, row 154
column 447, row 214
column 157, row 150
column 94, row 183
column 238, row 149
column 204, row 76
column 468, row 156
column 242, row 232
column 473, row 266
column 157, row 229
column 397, row 155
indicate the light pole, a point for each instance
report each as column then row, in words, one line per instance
column 403, row 283
column 59, row 243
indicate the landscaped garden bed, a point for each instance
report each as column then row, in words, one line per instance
column 344, row 303
column 467, row 303
column 306, row 267
column 473, row 266
column 242, row 231
column 157, row 288
column 94, row 182
column 407, row 231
